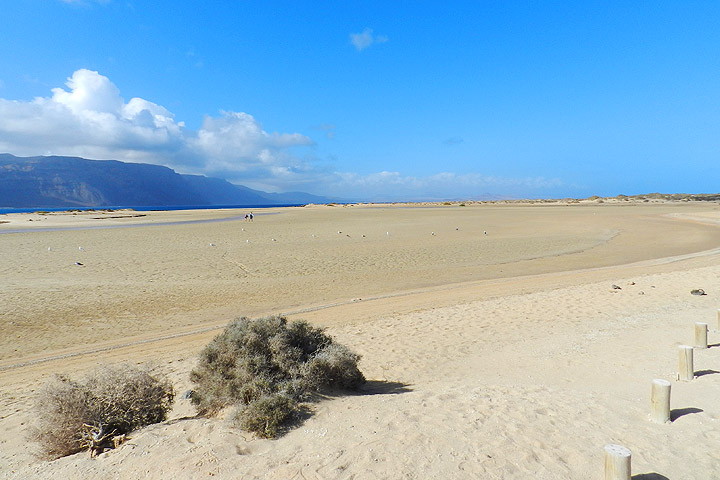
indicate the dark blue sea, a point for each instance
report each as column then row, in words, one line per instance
column 145, row 208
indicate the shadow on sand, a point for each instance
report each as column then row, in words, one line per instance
column 370, row 387
column 649, row 476
column 680, row 412
column 383, row 387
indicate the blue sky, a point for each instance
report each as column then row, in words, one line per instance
column 378, row 100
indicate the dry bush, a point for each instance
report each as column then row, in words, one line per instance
column 266, row 367
column 268, row 415
column 334, row 366
column 112, row 401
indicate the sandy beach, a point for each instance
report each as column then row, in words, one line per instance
column 493, row 340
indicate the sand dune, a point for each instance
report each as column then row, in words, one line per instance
column 506, row 355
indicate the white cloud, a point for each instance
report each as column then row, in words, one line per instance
column 92, row 120
column 365, row 39
column 328, row 128
column 445, row 185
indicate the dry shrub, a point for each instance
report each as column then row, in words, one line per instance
column 333, row 366
column 268, row 415
column 266, row 367
column 72, row 416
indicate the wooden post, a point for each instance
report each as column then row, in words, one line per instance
column 686, row 369
column 617, row 462
column 660, row 401
column 701, row 335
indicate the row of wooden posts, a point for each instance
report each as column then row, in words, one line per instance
column 617, row 457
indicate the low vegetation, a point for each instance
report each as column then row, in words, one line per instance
column 112, row 401
column 267, row 368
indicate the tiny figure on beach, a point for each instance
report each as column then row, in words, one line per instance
column 246, row 217
column 251, row 216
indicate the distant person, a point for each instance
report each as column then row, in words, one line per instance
column 251, row 216
column 246, row 217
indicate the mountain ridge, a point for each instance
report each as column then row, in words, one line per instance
column 64, row 181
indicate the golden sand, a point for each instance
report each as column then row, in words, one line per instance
column 492, row 331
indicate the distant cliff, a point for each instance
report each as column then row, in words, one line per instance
column 27, row 182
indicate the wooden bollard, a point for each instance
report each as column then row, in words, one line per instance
column 701, row 330
column 617, row 462
column 686, row 369
column 660, row 401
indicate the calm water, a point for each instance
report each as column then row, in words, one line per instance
column 140, row 209
column 144, row 208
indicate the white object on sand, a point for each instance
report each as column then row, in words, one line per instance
column 617, row 462
column 686, row 367
column 701, row 330
column 660, row 401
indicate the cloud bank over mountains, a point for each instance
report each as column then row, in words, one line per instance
column 91, row 119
